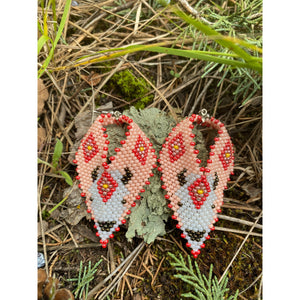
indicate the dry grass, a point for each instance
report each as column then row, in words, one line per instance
column 133, row 270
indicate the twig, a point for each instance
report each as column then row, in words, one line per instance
column 124, row 265
column 158, row 268
column 239, row 221
column 237, row 231
column 241, row 246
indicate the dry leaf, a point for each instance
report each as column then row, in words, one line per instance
column 64, row 294
column 251, row 190
column 42, row 96
column 76, row 208
column 41, row 137
column 92, row 80
column 42, row 276
column 50, row 288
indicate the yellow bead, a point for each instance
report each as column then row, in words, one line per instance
column 176, row 147
column 89, row 147
column 227, row 155
column 141, row 148
column 105, row 186
column 200, row 192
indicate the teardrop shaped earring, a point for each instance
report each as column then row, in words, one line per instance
column 196, row 193
column 111, row 185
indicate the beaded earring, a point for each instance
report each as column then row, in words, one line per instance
column 195, row 193
column 111, row 185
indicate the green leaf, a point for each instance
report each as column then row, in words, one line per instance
column 57, row 153
column 67, row 177
column 42, row 40
column 40, row 161
column 57, row 37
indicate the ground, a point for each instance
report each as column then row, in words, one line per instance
column 177, row 85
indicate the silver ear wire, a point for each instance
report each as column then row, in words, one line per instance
column 116, row 114
column 204, row 114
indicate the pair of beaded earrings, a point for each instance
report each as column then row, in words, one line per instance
column 111, row 185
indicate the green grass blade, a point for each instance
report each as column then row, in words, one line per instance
column 57, row 37
column 67, row 177
column 54, row 14
column 41, row 42
column 220, row 39
column 57, row 153
column 40, row 161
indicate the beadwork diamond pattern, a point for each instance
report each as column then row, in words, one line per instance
column 106, row 186
column 199, row 191
column 226, row 155
column 141, row 150
column 176, row 147
column 90, row 148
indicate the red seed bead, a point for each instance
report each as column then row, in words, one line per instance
column 117, row 229
column 163, row 187
column 178, row 226
column 104, row 245
column 79, row 185
column 207, row 237
column 123, row 142
column 142, row 190
column 167, row 196
column 159, row 169
column 191, row 126
column 147, row 182
column 88, row 211
column 127, row 133
column 128, row 212
column 192, row 135
column 123, row 221
column 195, row 255
column 209, row 161
column 117, row 149
column 170, row 205
column 133, row 204
column 174, row 217
column 82, row 194
column 138, row 197
column 77, row 177
column 74, row 161
column 111, row 236
column 112, row 158
column 182, row 235
column 188, row 245
column 202, row 245
column 97, row 234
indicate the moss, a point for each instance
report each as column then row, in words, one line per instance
column 133, row 88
